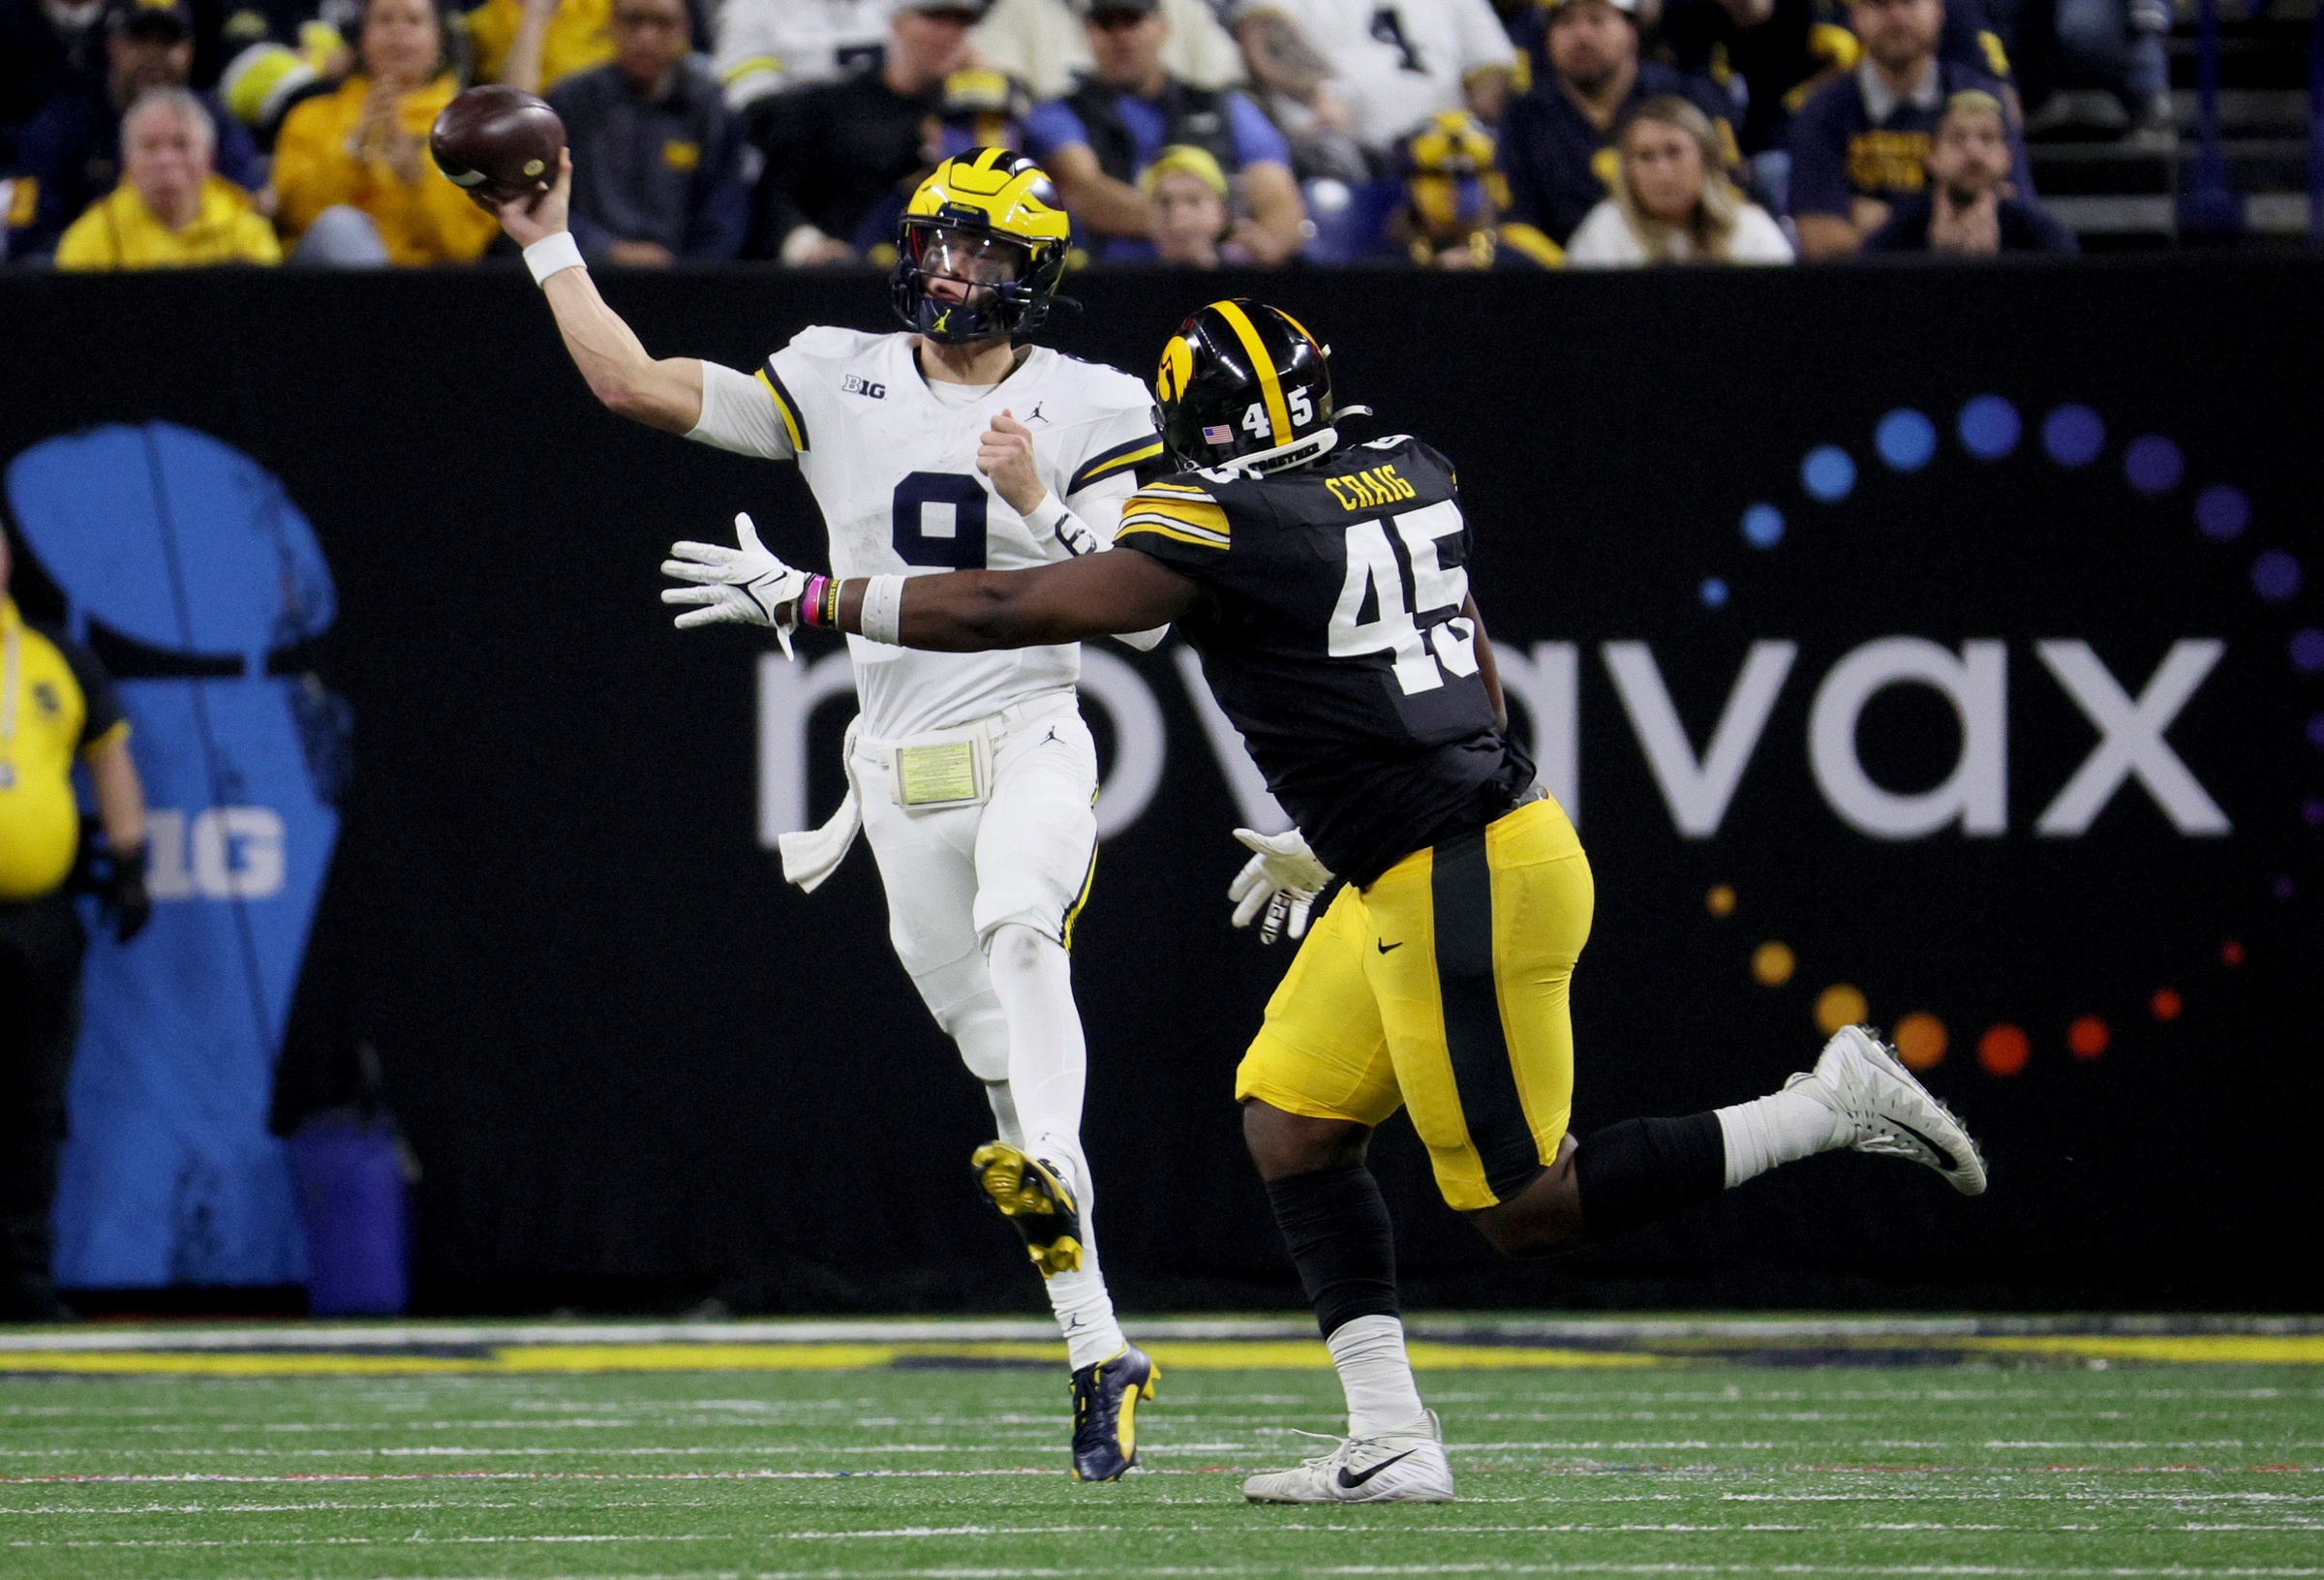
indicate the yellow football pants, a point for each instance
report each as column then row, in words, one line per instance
column 1443, row 987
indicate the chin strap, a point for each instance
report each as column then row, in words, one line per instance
column 1283, row 457
column 1298, row 453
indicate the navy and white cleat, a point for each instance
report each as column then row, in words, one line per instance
column 1884, row 1108
column 1105, row 1413
column 1034, row 1197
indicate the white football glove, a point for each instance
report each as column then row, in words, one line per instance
column 743, row 587
column 1283, row 878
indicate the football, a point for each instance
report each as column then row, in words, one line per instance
column 499, row 143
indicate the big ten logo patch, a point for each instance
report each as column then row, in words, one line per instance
column 853, row 385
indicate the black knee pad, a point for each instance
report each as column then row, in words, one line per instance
column 1638, row 1170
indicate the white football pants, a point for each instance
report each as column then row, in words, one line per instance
column 981, row 902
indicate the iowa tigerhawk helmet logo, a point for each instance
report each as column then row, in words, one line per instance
column 1244, row 381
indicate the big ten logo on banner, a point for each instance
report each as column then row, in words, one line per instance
column 197, row 567
column 225, row 853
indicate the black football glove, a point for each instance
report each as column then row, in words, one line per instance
column 121, row 897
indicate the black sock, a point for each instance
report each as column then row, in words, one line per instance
column 1336, row 1223
column 1642, row 1170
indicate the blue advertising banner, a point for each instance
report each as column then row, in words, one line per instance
column 180, row 544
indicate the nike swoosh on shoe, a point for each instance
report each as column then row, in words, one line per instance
column 1360, row 1478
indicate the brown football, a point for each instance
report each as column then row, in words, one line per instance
column 498, row 143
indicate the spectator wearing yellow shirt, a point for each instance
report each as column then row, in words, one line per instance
column 534, row 45
column 353, row 178
column 170, row 211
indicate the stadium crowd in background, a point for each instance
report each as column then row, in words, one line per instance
column 171, row 208
column 658, row 170
column 1099, row 141
column 1963, row 208
column 1861, row 145
column 352, row 179
column 1450, row 134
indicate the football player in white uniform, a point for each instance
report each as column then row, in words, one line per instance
column 947, row 447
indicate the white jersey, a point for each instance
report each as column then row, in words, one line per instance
column 765, row 47
column 893, row 467
column 1398, row 62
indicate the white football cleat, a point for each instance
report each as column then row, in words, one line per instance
column 1405, row 1468
column 1882, row 1109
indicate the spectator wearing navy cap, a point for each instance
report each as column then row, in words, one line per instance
column 1965, row 211
column 71, row 151
column 658, row 157
column 1557, row 140
column 1861, row 145
column 1097, row 141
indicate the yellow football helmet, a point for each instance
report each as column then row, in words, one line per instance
column 987, row 219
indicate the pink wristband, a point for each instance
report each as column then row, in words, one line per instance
column 811, row 600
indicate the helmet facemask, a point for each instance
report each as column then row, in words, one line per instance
column 980, row 249
column 959, row 283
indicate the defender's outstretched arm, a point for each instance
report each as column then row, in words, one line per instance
column 665, row 392
column 961, row 611
column 970, row 611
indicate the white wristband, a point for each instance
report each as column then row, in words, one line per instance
column 1045, row 516
column 883, row 610
column 553, row 254
column 1052, row 520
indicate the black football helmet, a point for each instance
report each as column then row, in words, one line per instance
column 1244, row 385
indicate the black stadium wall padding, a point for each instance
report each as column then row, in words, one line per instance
column 1920, row 642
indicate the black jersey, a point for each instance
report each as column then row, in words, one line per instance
column 1333, row 637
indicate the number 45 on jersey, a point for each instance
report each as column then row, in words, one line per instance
column 1413, row 617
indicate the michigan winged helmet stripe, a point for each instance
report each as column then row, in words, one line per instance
column 1106, row 463
column 793, row 423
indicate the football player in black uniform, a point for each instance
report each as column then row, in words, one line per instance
column 1326, row 587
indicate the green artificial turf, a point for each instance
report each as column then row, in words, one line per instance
column 2127, row 1471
